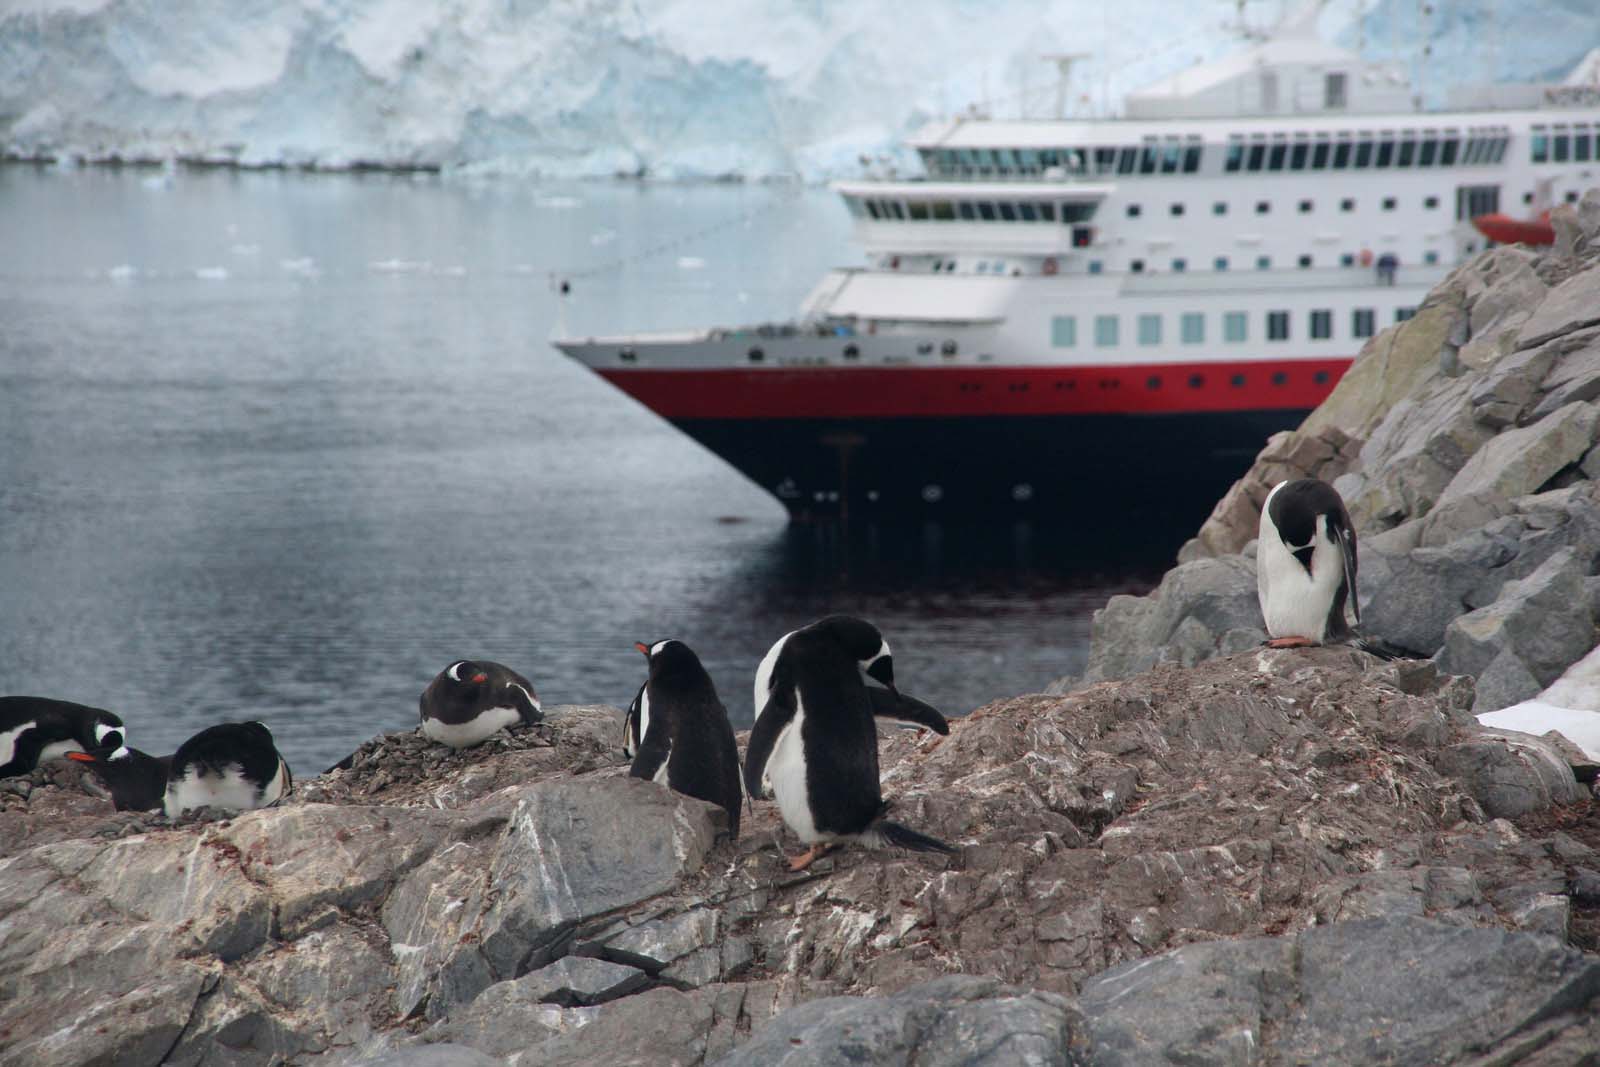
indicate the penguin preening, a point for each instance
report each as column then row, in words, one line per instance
column 233, row 765
column 677, row 731
column 36, row 729
column 815, row 740
column 470, row 700
column 1306, row 565
column 137, row 780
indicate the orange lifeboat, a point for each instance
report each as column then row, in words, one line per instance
column 1509, row 231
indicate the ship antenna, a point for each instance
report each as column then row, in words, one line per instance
column 1063, row 62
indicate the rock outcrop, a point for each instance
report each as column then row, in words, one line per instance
column 1240, row 836
column 1464, row 443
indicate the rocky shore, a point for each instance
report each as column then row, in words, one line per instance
column 1201, row 852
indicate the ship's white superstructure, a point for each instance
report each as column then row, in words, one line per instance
column 1204, row 267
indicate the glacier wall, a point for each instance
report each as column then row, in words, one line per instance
column 669, row 88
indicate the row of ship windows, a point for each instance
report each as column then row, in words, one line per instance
column 970, row 210
column 1305, row 262
column 1402, row 149
column 1560, row 147
column 1235, row 327
column 1264, row 207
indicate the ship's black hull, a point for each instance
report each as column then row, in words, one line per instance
column 1102, row 470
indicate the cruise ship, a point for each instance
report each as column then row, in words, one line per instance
column 1082, row 316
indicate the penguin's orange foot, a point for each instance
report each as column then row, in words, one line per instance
column 807, row 858
column 1290, row 642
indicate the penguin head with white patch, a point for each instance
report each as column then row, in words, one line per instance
column 862, row 641
column 466, row 673
column 106, row 732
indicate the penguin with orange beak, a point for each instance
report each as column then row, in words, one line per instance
column 677, row 731
column 471, row 700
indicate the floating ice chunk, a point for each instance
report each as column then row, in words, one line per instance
column 211, row 274
column 157, row 181
column 399, row 266
column 123, row 272
column 691, row 263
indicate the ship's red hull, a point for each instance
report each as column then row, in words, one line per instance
column 971, row 442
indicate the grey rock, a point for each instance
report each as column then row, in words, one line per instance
column 440, row 1055
column 1543, row 620
column 1572, row 305
column 1504, row 682
column 1520, row 461
column 1574, row 376
column 1586, row 886
column 653, row 945
column 1510, row 385
column 956, row 1020
column 575, row 981
column 1509, row 773
column 1179, row 622
column 1426, row 438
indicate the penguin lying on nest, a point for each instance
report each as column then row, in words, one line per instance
column 36, row 729
column 677, row 731
column 137, row 780
column 815, row 742
column 469, row 701
column 1306, row 570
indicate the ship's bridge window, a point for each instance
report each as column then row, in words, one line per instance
column 1321, row 324
column 1448, row 148
column 1191, row 159
column 986, row 209
column 1402, row 314
column 1258, row 153
column 1385, row 152
column 1333, row 90
column 1319, row 155
column 1363, row 154
column 1408, row 153
column 1008, row 211
column 1429, row 152
column 1235, row 157
column 1298, row 155
column 1171, row 158
column 1025, row 212
column 1277, row 325
column 1580, row 146
column 1105, row 160
column 1341, row 155
column 872, row 208
column 1047, row 212
column 967, row 210
column 1276, row 156
column 1127, row 160
column 1541, row 146
column 1192, row 327
column 942, row 210
column 1105, row 331
column 1235, row 326
column 897, row 210
column 1363, row 322
column 918, row 210
column 1561, row 147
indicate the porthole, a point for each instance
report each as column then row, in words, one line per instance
column 627, row 355
column 1022, row 492
column 1280, row 378
column 852, row 352
column 1236, row 381
column 948, row 348
column 1196, row 381
column 757, row 355
column 1321, row 377
column 924, row 348
column 1153, row 382
column 932, row 493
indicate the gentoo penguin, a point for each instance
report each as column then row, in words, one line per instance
column 471, row 699
column 137, row 780
column 677, row 731
column 231, row 765
column 35, row 729
column 1306, row 565
column 815, row 742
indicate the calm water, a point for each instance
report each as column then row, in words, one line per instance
column 279, row 446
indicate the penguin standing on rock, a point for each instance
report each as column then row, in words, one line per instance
column 36, row 729
column 233, row 765
column 471, row 700
column 1306, row 565
column 677, row 731
column 815, row 741
column 137, row 780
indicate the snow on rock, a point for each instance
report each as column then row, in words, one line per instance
column 671, row 88
column 1571, row 705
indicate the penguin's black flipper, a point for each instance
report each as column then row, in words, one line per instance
column 522, row 699
column 887, row 705
column 343, row 765
column 777, row 713
column 653, row 754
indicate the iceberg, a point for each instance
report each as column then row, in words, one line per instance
column 670, row 89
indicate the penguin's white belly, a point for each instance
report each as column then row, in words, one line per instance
column 58, row 750
column 275, row 788
column 474, row 732
column 786, row 771
column 229, row 790
column 1293, row 602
